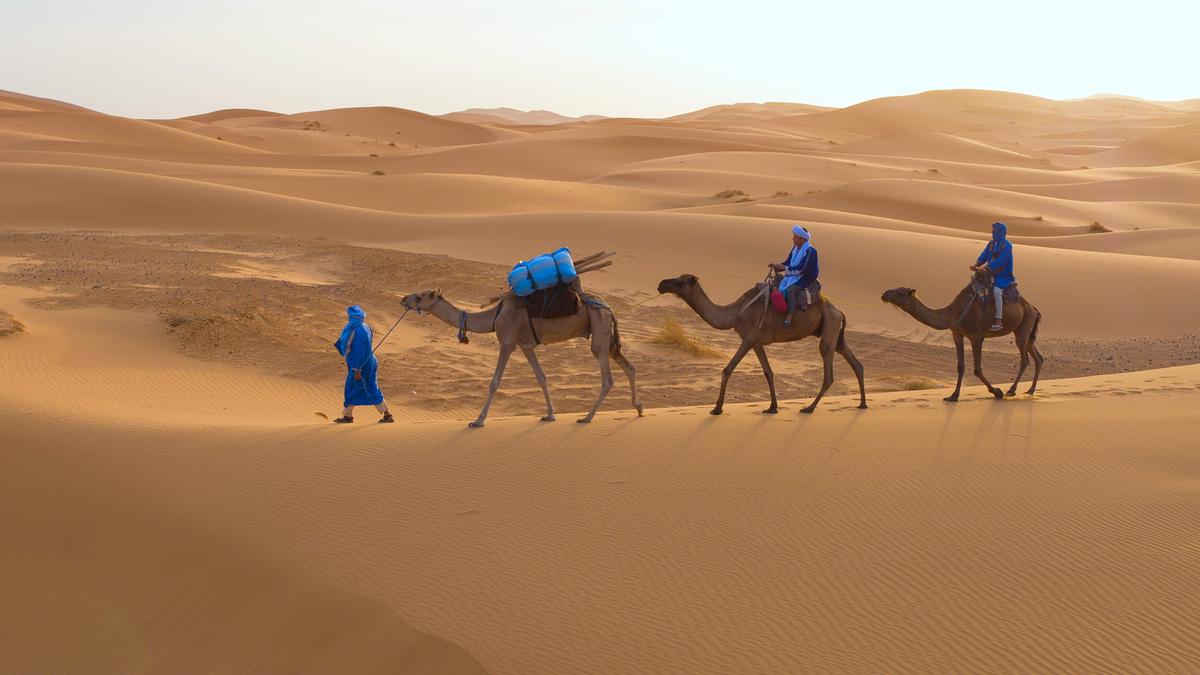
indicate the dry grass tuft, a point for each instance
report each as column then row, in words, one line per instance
column 377, row 172
column 1096, row 227
column 672, row 334
column 913, row 382
column 726, row 194
column 9, row 325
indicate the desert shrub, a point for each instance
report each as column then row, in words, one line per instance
column 913, row 382
column 377, row 172
column 726, row 194
column 1096, row 227
column 672, row 334
column 9, row 325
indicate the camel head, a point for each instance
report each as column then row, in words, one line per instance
column 683, row 286
column 899, row 297
column 421, row 302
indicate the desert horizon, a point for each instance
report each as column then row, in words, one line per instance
column 176, row 498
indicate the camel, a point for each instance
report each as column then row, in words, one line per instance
column 758, row 326
column 969, row 317
column 514, row 328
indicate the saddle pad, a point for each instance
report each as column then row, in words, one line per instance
column 778, row 302
column 555, row 302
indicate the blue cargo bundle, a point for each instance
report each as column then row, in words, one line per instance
column 543, row 272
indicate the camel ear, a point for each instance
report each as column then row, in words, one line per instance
column 438, row 293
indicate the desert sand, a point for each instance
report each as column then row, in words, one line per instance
column 175, row 500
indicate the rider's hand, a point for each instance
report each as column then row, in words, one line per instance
column 357, row 374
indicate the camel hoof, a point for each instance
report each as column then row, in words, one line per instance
column 549, row 418
column 771, row 411
column 475, row 425
column 809, row 410
column 715, row 411
column 1010, row 393
column 998, row 394
column 951, row 399
column 584, row 420
column 862, row 406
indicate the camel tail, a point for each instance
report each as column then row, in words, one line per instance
column 615, row 347
column 1036, row 323
column 841, row 343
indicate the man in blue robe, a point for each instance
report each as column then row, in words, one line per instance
column 361, row 388
column 799, row 270
column 997, row 258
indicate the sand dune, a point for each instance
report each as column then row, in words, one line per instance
column 937, row 146
column 512, row 116
column 1041, row 535
column 389, row 124
column 230, row 114
column 175, row 499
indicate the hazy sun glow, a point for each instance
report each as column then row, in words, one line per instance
column 149, row 58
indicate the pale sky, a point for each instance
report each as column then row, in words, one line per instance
column 163, row 58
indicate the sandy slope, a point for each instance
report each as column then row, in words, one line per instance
column 1048, row 534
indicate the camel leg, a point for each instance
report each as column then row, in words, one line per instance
column 770, row 375
column 606, row 379
column 631, row 373
column 962, row 366
column 1022, row 339
column 541, row 380
column 1037, row 366
column 827, row 349
column 856, row 366
column 505, row 352
column 977, row 353
column 729, row 368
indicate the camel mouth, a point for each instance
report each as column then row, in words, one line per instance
column 667, row 286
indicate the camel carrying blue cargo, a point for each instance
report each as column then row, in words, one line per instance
column 545, row 271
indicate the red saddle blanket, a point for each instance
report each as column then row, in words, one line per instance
column 778, row 302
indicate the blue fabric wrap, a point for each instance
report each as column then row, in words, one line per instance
column 365, row 391
column 803, row 260
column 998, row 254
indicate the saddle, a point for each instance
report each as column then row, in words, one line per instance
column 805, row 298
column 983, row 292
column 555, row 302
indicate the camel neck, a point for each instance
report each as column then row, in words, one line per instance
column 721, row 317
column 940, row 319
column 477, row 322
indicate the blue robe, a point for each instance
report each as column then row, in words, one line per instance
column 802, row 266
column 998, row 254
column 364, row 391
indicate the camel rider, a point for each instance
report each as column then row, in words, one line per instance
column 799, row 270
column 997, row 258
column 361, row 388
